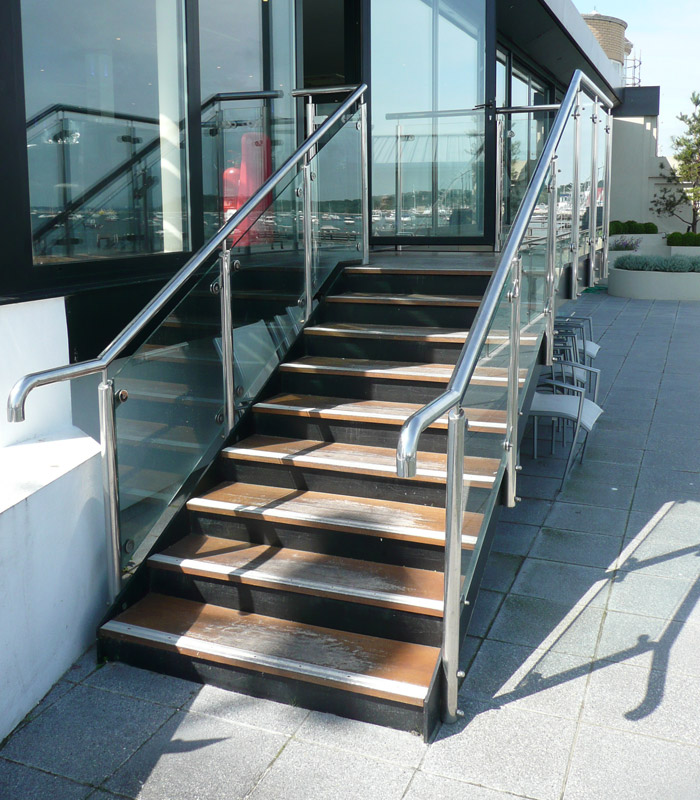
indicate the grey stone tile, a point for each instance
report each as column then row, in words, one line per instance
column 247, row 710
column 601, row 471
column 656, row 487
column 684, row 458
column 141, row 683
column 547, row 466
column 514, row 538
column 652, row 703
column 579, row 517
column 194, row 756
column 677, row 523
column 467, row 653
column 515, row 676
column 539, row 623
column 433, row 787
column 607, row 494
column 603, row 451
column 83, row 667
column 573, row 547
column 635, row 440
column 650, row 643
column 399, row 747
column 353, row 776
column 485, row 610
column 19, row 782
column 57, row 691
column 86, row 734
column 562, row 583
column 538, row 487
column 648, row 595
column 659, row 555
column 530, row 512
column 507, row 749
column 500, row 571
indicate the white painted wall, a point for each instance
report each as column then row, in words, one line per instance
column 636, row 171
column 53, row 582
column 33, row 337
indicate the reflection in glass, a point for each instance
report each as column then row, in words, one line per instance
column 427, row 136
column 105, row 136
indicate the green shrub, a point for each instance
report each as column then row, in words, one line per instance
column 624, row 243
column 659, row 263
column 617, row 228
column 683, row 239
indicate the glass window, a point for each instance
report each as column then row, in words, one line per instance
column 427, row 135
column 246, row 46
column 105, row 102
column 501, row 81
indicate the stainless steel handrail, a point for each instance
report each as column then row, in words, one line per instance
column 528, row 109
column 310, row 92
column 22, row 388
column 459, row 381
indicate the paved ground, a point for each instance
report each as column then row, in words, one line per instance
column 584, row 655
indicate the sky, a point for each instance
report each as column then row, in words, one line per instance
column 665, row 36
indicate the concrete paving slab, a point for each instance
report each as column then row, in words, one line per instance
column 569, row 584
column 19, row 782
column 141, row 683
column 572, row 547
column 433, row 787
column 87, row 734
column 195, row 757
column 352, row 776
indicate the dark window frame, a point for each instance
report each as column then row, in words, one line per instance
column 20, row 278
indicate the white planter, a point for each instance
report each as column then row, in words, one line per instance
column 650, row 244
column 654, row 285
column 685, row 251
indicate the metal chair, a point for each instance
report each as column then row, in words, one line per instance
column 580, row 331
column 567, row 404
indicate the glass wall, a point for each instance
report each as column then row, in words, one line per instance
column 106, row 141
column 428, row 77
column 246, row 46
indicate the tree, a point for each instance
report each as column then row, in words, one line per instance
column 683, row 181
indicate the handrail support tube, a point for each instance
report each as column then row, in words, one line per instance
column 455, row 505
column 511, row 441
column 110, row 486
column 593, row 198
column 608, row 180
column 575, row 200
column 364, row 173
column 550, row 283
column 227, row 354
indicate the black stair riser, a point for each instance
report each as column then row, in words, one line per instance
column 347, row 432
column 393, row 391
column 317, row 540
column 394, row 314
column 382, row 349
column 445, row 285
column 335, row 482
column 302, row 478
column 282, row 603
column 272, row 687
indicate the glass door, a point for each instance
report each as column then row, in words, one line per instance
column 428, row 67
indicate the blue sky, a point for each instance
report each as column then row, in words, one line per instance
column 665, row 34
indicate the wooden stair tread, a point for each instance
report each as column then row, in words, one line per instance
column 305, row 572
column 394, row 370
column 416, row 269
column 368, row 665
column 406, row 299
column 353, row 458
column 164, row 391
column 363, row 515
column 157, row 433
column 400, row 332
column 372, row 411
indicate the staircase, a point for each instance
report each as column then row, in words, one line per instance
column 306, row 571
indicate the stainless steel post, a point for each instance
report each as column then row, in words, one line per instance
column 608, row 181
column 593, row 197
column 399, row 179
column 454, row 514
column 511, row 441
column 550, row 283
column 575, row 200
column 227, row 357
column 110, row 485
column 499, row 182
column 365, row 181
